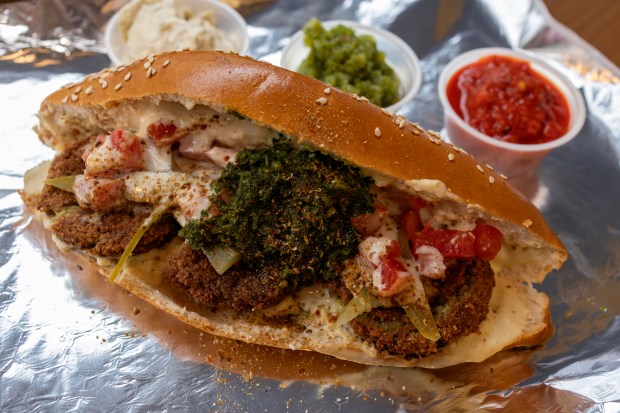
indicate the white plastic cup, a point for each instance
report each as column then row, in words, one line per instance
column 399, row 56
column 519, row 162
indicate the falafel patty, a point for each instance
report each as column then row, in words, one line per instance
column 107, row 234
column 66, row 163
column 239, row 289
column 459, row 302
column 103, row 234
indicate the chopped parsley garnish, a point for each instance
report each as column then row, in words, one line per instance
column 286, row 211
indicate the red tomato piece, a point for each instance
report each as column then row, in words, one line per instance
column 394, row 252
column 99, row 194
column 488, row 241
column 119, row 151
column 129, row 149
column 165, row 133
column 159, row 130
column 368, row 224
column 389, row 273
column 410, row 223
column 451, row 243
column 416, row 203
column 116, row 139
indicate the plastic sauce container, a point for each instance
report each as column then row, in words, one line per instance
column 518, row 161
column 227, row 19
column 398, row 55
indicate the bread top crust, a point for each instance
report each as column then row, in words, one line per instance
column 306, row 109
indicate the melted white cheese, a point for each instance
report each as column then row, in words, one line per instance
column 157, row 183
column 224, row 128
column 186, row 194
column 156, row 158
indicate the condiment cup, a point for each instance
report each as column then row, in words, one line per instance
column 227, row 19
column 519, row 162
column 398, row 54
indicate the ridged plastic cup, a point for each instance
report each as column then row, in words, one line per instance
column 227, row 19
column 398, row 55
column 519, row 162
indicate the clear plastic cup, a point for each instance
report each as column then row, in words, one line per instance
column 398, row 55
column 519, row 162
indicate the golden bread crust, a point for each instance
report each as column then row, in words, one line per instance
column 347, row 127
column 304, row 108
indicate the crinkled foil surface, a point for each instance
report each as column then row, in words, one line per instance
column 70, row 341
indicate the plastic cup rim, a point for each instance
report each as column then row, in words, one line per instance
column 573, row 97
column 412, row 58
column 112, row 26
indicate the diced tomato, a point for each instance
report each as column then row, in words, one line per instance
column 119, row 152
column 484, row 241
column 116, row 139
column 99, row 194
column 450, row 243
column 488, row 241
column 391, row 277
column 165, row 133
column 377, row 249
column 416, row 203
column 159, row 130
column 389, row 274
column 410, row 223
column 129, row 149
column 394, row 251
column 368, row 224
column 431, row 262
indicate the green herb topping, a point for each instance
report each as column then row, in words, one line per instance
column 286, row 211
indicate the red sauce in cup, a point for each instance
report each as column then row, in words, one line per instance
column 504, row 98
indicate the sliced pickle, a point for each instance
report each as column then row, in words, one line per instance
column 363, row 302
column 422, row 318
column 133, row 242
column 222, row 258
column 62, row 182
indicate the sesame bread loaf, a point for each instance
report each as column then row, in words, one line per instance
column 386, row 147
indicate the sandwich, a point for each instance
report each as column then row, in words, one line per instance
column 258, row 204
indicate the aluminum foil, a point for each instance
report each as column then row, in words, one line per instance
column 70, row 341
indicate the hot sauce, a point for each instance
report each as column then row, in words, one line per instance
column 506, row 99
